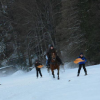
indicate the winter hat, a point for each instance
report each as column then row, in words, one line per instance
column 81, row 53
column 51, row 45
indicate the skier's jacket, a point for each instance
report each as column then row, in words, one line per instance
column 83, row 58
column 37, row 64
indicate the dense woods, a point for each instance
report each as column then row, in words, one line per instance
column 28, row 27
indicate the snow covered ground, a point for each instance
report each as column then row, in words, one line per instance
column 25, row 86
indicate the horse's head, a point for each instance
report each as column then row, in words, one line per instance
column 53, row 56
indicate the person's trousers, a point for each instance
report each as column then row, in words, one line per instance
column 59, row 60
column 80, row 66
column 38, row 71
column 46, row 62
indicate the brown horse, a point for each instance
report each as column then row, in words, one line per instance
column 54, row 65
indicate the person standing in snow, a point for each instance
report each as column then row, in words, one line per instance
column 82, row 64
column 38, row 70
column 46, row 60
column 49, row 52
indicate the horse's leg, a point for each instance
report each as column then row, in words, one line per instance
column 53, row 73
column 58, row 73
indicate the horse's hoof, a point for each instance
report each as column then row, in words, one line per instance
column 58, row 78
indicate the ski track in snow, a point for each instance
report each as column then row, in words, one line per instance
column 25, row 86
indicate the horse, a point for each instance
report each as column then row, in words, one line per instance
column 54, row 65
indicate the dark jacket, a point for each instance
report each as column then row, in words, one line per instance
column 83, row 58
column 37, row 64
column 50, row 51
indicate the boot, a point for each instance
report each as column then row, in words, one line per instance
column 41, row 76
column 77, row 74
column 85, row 73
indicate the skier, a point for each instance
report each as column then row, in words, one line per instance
column 46, row 60
column 49, row 52
column 82, row 64
column 38, row 70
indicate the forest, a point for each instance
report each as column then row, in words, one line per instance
column 28, row 27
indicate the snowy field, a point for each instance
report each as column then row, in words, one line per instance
column 25, row 86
